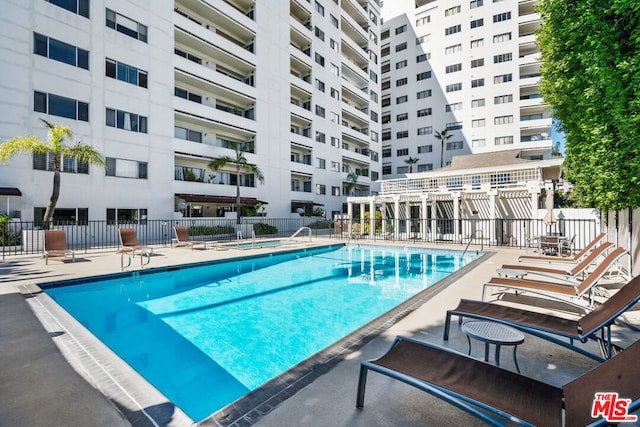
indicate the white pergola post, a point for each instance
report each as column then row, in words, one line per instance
column 362, row 208
column 456, row 215
column 349, row 217
column 384, row 218
column 423, row 217
column 492, row 215
column 396, row 216
column 372, row 216
column 408, row 222
column 434, row 219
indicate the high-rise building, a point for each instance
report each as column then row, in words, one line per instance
column 470, row 68
column 162, row 88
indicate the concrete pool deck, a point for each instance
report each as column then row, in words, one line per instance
column 53, row 372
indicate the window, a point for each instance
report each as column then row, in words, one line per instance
column 386, row 169
column 126, row 26
column 335, row 191
column 423, row 39
column 423, row 20
column 402, row 169
column 402, row 117
column 424, row 112
column 422, row 149
column 503, row 140
column 126, row 73
column 454, row 182
column 477, row 43
column 45, row 162
column 423, row 94
column 319, row 33
column 184, row 93
column 402, row 134
column 502, row 17
column 452, row 11
column 319, row 8
column 502, row 120
column 453, row 87
column 425, row 167
column 321, row 189
column 334, row 21
column 60, row 106
column 383, row 35
column 60, row 51
column 423, row 76
column 401, row 82
column 402, row 152
column 187, row 134
column 504, row 57
column 374, row 137
column 401, row 64
column 421, row 58
column 320, row 137
column 335, row 166
column 501, row 38
column 386, row 135
column 401, row 29
column 319, row 59
column 453, row 49
column 385, row 68
column 335, row 70
column 475, row 3
column 126, row 168
column 503, row 99
column 374, row 116
column 125, row 120
column 373, row 76
column 334, row 117
column 320, row 85
column 334, row 45
column 373, row 57
column 478, row 123
column 427, row 130
column 452, row 68
column 335, row 142
column 452, row 30
column 475, row 63
column 454, row 145
column 386, row 152
column 188, row 56
column 63, row 216
column 335, row 93
column 401, row 99
column 477, row 23
column 454, row 125
column 320, row 111
column 503, row 78
column 456, row 106
column 126, row 216
column 401, row 47
column 80, row 7
column 478, row 142
column 386, row 101
column 373, row 96
column 499, row 179
column 477, row 103
column 477, row 83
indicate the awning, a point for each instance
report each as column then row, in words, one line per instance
column 10, row 191
column 206, row 198
column 305, row 203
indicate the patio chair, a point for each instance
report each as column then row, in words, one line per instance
column 129, row 242
column 55, row 246
column 575, row 273
column 559, row 330
column 570, row 259
column 499, row 396
column 183, row 239
column 568, row 292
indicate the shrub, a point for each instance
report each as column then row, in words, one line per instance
column 320, row 225
column 204, row 230
column 260, row 228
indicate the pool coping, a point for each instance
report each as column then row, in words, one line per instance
column 144, row 405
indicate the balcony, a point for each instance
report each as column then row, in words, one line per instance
column 356, row 13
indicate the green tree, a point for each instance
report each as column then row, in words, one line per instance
column 241, row 163
column 57, row 135
column 411, row 161
column 442, row 136
column 352, row 181
column 591, row 79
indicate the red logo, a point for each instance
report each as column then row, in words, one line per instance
column 612, row 408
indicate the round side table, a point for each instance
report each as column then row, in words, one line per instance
column 493, row 333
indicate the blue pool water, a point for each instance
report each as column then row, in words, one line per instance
column 206, row 335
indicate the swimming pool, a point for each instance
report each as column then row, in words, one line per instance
column 258, row 244
column 208, row 334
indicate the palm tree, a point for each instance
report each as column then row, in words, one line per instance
column 55, row 145
column 241, row 163
column 411, row 161
column 442, row 136
column 352, row 181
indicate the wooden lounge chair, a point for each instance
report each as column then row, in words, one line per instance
column 183, row 239
column 575, row 273
column 559, row 330
column 572, row 259
column 498, row 396
column 569, row 292
column 129, row 242
column 55, row 246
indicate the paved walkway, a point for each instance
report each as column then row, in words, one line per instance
column 54, row 373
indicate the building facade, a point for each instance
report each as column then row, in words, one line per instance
column 469, row 67
column 161, row 88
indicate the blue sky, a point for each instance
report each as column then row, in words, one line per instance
column 557, row 136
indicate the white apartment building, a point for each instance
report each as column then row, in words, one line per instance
column 471, row 67
column 161, row 88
